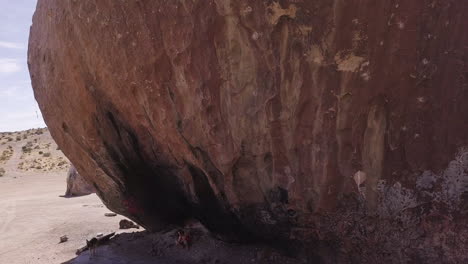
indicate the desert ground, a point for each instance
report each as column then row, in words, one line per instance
column 34, row 215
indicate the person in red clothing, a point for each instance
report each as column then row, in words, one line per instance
column 183, row 239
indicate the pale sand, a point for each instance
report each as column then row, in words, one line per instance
column 33, row 217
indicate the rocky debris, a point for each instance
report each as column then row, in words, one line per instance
column 254, row 117
column 76, row 184
column 96, row 241
column 126, row 224
column 110, row 214
column 63, row 239
column 149, row 247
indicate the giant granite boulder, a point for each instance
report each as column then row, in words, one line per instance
column 339, row 126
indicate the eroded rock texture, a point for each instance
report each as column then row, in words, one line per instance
column 341, row 125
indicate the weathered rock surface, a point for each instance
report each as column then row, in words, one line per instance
column 77, row 185
column 338, row 124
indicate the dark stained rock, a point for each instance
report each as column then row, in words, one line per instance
column 77, row 185
column 334, row 124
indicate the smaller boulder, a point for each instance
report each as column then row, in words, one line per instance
column 77, row 185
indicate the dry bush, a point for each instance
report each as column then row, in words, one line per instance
column 28, row 147
column 6, row 154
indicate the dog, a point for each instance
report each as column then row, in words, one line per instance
column 92, row 245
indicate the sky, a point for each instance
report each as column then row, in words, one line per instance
column 18, row 108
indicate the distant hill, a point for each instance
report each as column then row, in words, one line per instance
column 30, row 151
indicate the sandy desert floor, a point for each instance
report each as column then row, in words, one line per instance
column 33, row 217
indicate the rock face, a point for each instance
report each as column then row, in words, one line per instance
column 77, row 185
column 332, row 123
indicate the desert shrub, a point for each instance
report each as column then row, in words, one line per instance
column 18, row 138
column 40, row 152
column 2, row 172
column 27, row 148
column 6, row 154
column 10, row 139
column 46, row 155
column 39, row 132
column 62, row 163
column 38, row 167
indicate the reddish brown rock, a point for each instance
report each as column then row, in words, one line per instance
column 338, row 124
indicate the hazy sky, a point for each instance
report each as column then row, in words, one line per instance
column 18, row 108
